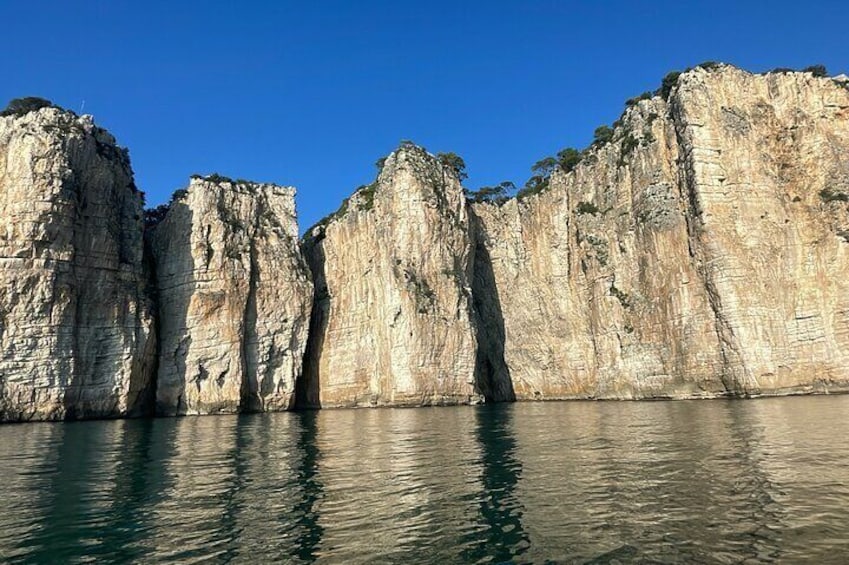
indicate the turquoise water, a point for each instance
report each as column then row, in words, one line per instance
column 569, row 482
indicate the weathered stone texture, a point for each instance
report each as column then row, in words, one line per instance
column 393, row 321
column 766, row 163
column 234, row 299
column 75, row 328
column 702, row 253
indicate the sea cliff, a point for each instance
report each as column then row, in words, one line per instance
column 700, row 248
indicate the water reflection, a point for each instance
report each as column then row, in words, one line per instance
column 140, row 482
column 400, row 483
column 707, row 482
column 306, row 509
column 65, row 514
column 503, row 538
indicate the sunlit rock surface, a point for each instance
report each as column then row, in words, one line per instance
column 75, row 328
column 704, row 252
column 234, row 299
column 393, row 322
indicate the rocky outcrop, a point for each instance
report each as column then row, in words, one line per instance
column 701, row 253
column 392, row 321
column 234, row 299
column 767, row 170
column 75, row 327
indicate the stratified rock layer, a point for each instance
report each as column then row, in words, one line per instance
column 234, row 299
column 75, row 331
column 392, row 321
column 705, row 252
column 767, row 168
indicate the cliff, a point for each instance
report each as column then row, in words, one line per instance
column 234, row 299
column 698, row 249
column 75, row 326
column 703, row 252
column 392, row 321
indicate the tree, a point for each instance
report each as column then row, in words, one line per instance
column 153, row 216
column 568, row 159
column 544, row 167
column 816, row 70
column 667, row 84
column 602, row 135
column 534, row 185
column 453, row 162
column 21, row 106
column 497, row 193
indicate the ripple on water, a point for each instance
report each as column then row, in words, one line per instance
column 712, row 482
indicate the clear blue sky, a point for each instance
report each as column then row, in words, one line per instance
column 312, row 93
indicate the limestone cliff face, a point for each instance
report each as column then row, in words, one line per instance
column 767, row 171
column 392, row 320
column 75, row 328
column 234, row 299
column 702, row 253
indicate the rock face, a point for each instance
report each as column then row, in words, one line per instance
column 234, row 299
column 75, row 328
column 704, row 252
column 392, row 320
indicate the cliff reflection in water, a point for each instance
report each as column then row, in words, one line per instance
column 721, row 481
column 502, row 536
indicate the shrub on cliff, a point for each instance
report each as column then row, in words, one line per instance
column 215, row 178
column 709, row 65
column 153, row 216
column 602, row 135
column 498, row 193
column 667, row 84
column 568, row 159
column 816, row 70
column 366, row 193
column 831, row 195
column 21, row 106
column 671, row 78
column 636, row 99
column 586, row 208
column 453, row 162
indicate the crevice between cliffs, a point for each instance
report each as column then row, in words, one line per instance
column 307, row 384
column 492, row 374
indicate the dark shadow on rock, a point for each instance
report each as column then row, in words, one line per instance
column 142, row 401
column 105, row 278
column 492, row 375
column 250, row 400
column 307, row 387
column 173, row 293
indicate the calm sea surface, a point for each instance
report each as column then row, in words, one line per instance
column 604, row 482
